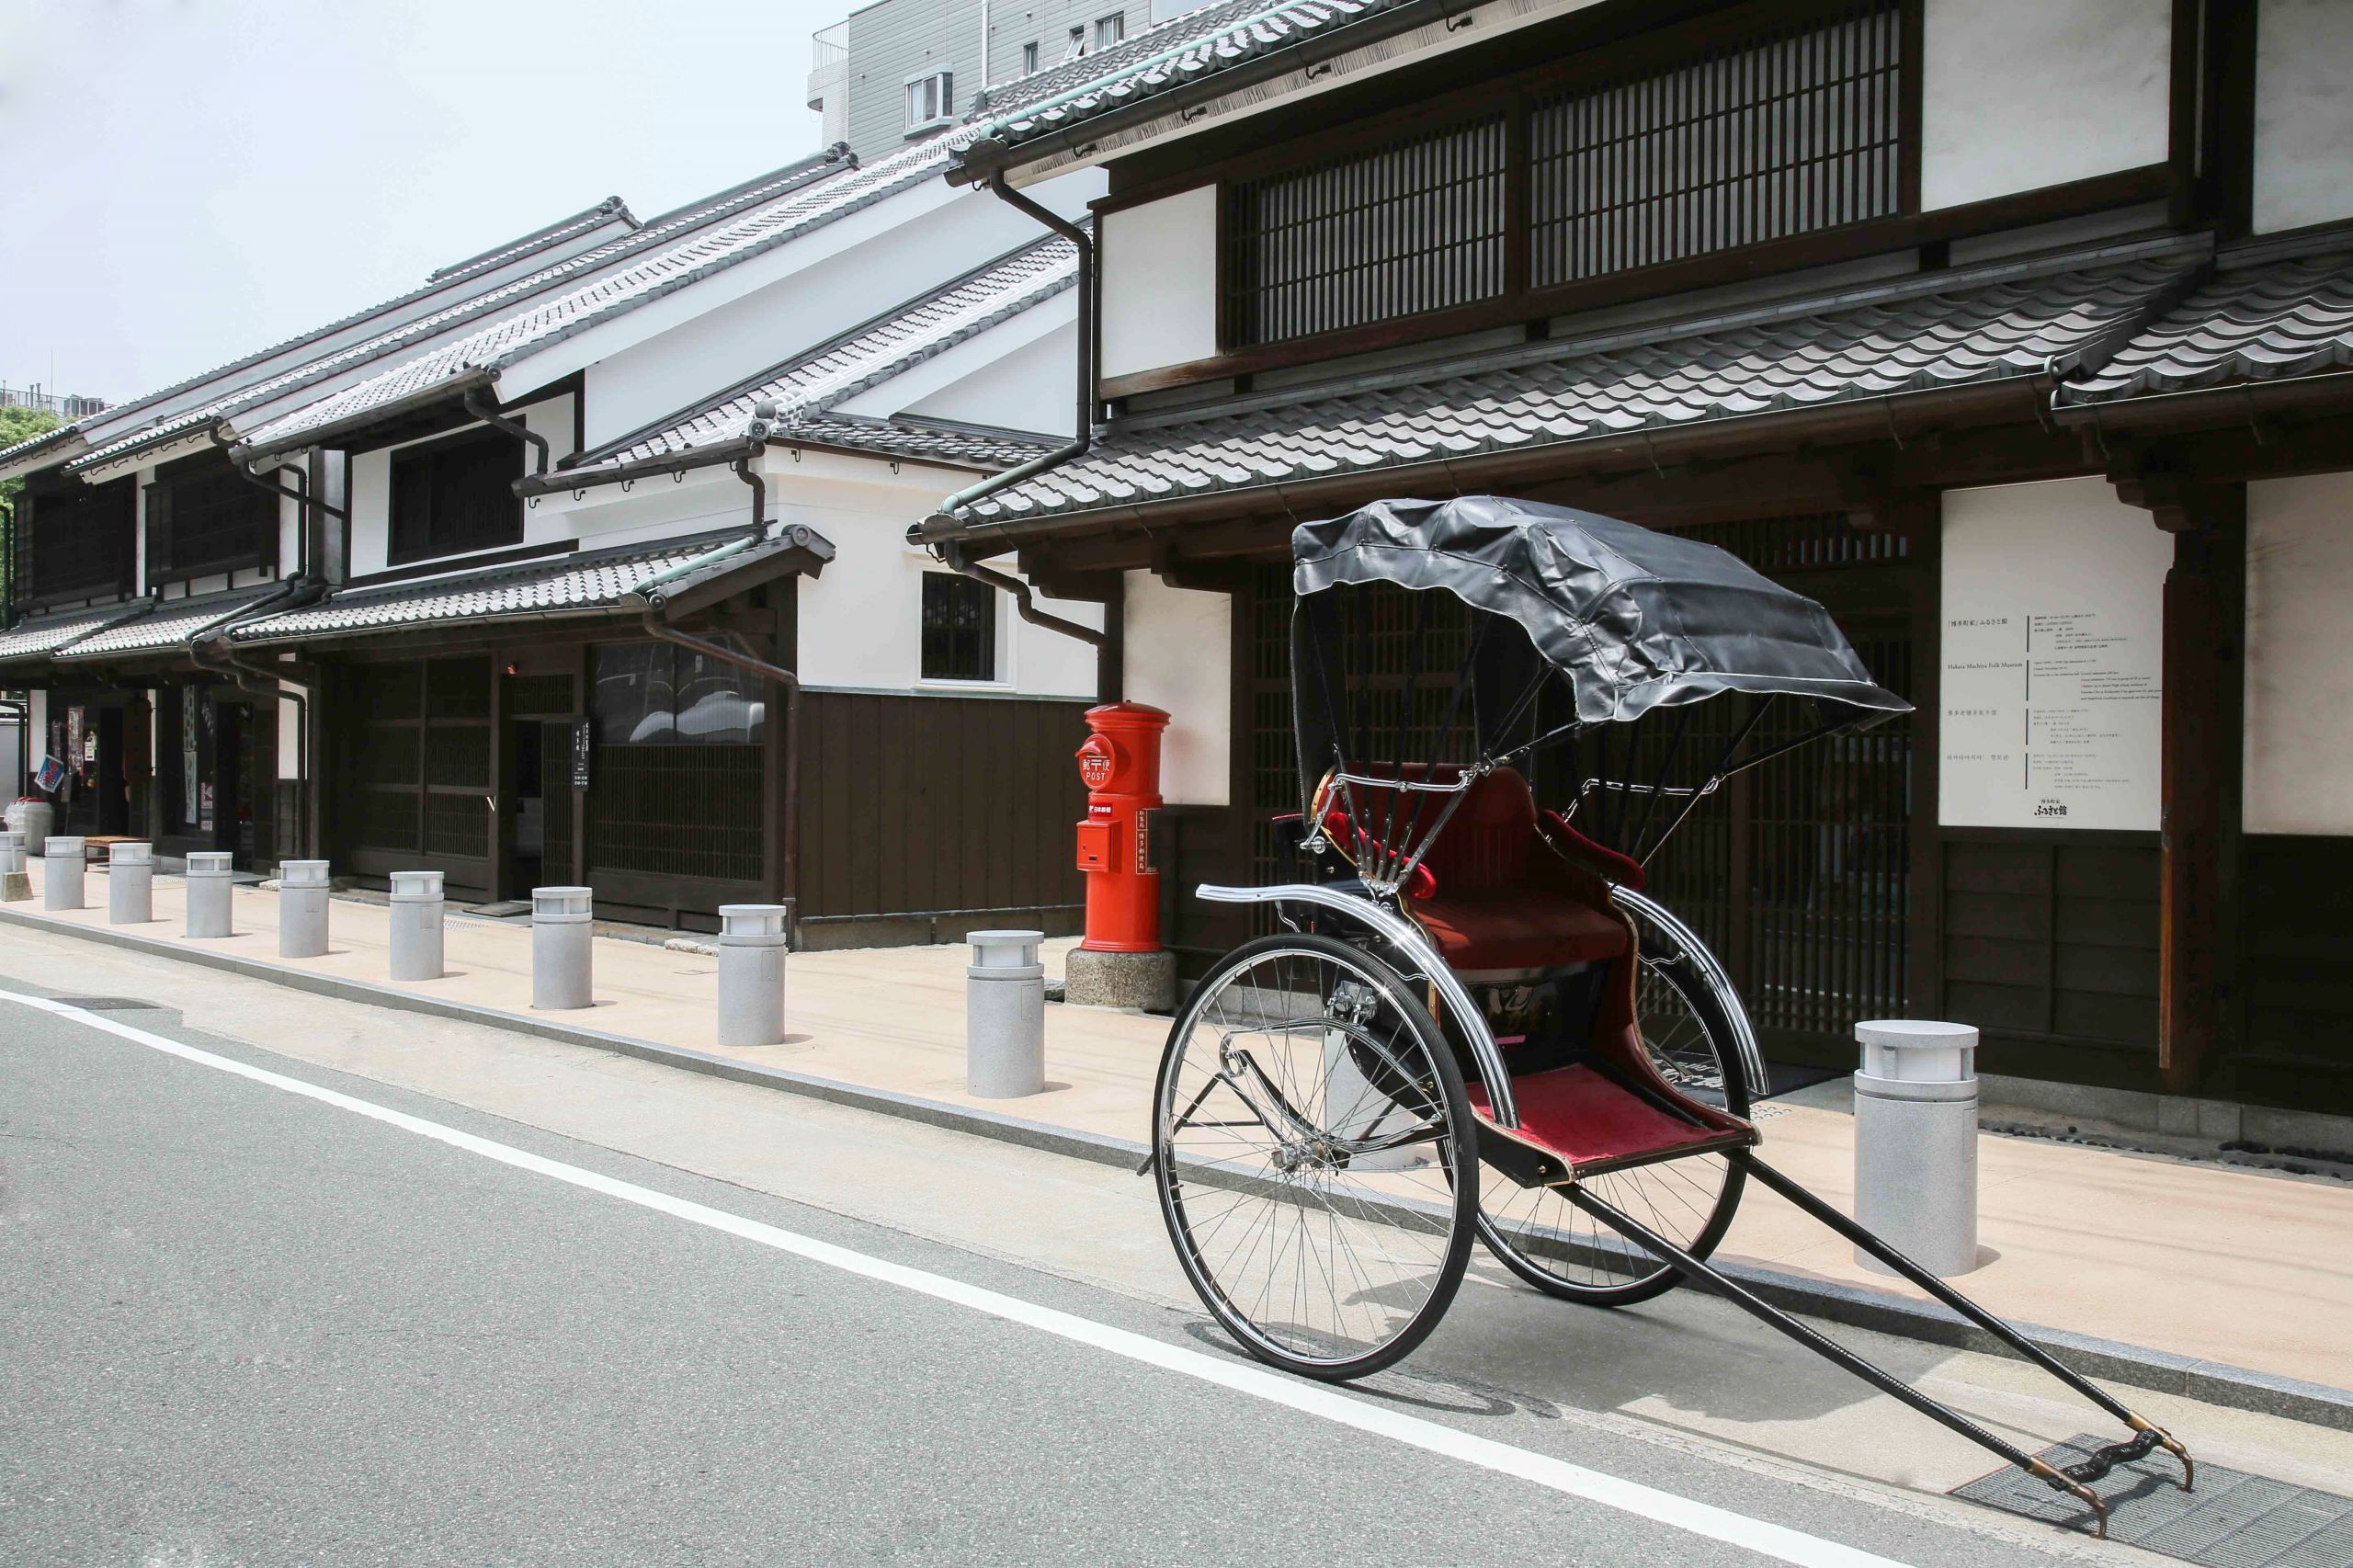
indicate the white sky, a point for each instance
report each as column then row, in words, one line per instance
column 185, row 181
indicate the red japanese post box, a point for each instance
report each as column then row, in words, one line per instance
column 1120, row 766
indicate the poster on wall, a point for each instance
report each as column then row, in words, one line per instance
column 2054, row 618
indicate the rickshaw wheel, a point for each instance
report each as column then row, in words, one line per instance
column 1563, row 1252
column 1327, row 1260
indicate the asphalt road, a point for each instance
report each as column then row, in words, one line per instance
column 242, row 1327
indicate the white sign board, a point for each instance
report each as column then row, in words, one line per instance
column 2052, row 654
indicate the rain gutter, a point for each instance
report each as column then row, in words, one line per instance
column 988, row 154
column 324, row 434
column 472, row 402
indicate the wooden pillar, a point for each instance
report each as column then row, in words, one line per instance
column 2198, row 760
column 499, row 793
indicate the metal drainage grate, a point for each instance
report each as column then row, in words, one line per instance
column 111, row 1004
column 2232, row 1520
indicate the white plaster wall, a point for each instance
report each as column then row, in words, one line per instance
column 2303, row 113
column 1160, row 282
column 1032, row 388
column 682, row 349
column 861, row 619
column 2298, row 728
column 2020, row 93
column 290, row 739
column 36, row 739
column 1180, row 646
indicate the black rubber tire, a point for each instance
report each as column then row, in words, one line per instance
column 1457, row 1149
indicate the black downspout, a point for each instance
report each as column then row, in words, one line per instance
column 656, row 627
column 258, row 681
column 1077, row 448
column 471, row 402
column 250, row 477
column 948, row 551
column 743, row 467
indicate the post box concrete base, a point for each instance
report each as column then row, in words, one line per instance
column 1121, row 980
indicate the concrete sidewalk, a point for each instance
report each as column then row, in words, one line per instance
column 2201, row 1263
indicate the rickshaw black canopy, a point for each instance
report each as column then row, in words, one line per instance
column 1632, row 618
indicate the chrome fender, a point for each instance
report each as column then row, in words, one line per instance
column 1743, row 1038
column 1401, row 934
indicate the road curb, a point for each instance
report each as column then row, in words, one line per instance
column 2212, row 1383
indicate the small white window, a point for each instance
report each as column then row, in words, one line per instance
column 1109, row 30
column 1028, row 60
column 930, row 99
column 1077, row 44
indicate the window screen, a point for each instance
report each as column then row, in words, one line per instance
column 659, row 694
column 455, row 495
column 959, row 629
column 1772, row 136
column 1416, row 225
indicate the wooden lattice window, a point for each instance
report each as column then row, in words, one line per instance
column 454, row 495
column 1761, row 140
column 202, row 519
column 1415, row 225
column 77, row 544
column 1602, row 166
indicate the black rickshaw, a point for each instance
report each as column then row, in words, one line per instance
column 1470, row 1019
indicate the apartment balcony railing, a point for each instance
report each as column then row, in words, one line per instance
column 60, row 405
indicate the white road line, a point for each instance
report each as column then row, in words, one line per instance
column 1768, row 1539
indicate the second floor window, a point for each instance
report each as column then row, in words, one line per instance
column 455, row 495
column 74, row 542
column 203, row 520
column 1109, row 30
column 1755, row 138
column 930, row 99
column 1028, row 60
column 1077, row 44
column 959, row 629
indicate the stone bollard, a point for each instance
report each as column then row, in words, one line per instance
column 209, row 876
column 416, row 925
column 130, row 884
column 1004, row 1016
column 61, row 860
column 303, row 889
column 753, row 940
column 16, row 883
column 1915, row 1143
column 562, row 955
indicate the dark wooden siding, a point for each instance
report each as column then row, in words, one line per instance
column 917, row 813
column 2295, row 983
column 2049, row 948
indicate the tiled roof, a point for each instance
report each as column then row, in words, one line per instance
column 32, row 446
column 960, row 447
column 2252, row 323
column 28, row 639
column 652, row 273
column 612, row 207
column 808, row 386
column 584, row 583
column 439, row 281
column 600, row 265
column 162, row 629
column 1195, row 47
column 1921, row 335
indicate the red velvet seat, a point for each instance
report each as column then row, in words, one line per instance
column 1498, row 896
column 1595, row 1124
